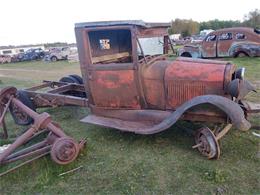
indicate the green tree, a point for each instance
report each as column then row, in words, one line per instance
column 252, row 19
column 184, row 27
column 218, row 24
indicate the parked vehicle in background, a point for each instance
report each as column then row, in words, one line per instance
column 5, row 59
column 57, row 53
column 229, row 42
column 17, row 57
column 73, row 56
column 31, row 54
column 197, row 39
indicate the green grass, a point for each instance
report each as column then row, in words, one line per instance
column 124, row 163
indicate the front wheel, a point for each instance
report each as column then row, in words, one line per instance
column 186, row 54
column 207, row 143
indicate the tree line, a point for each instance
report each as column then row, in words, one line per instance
column 189, row 27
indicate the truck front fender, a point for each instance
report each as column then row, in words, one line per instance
column 232, row 109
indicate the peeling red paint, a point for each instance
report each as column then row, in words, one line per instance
column 114, row 89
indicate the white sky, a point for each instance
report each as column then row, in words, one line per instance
column 41, row 21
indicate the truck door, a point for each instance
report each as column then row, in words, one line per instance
column 225, row 41
column 209, row 46
column 112, row 72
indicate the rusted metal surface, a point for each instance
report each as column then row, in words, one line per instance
column 207, row 143
column 232, row 109
column 105, row 84
column 63, row 149
column 153, row 84
column 197, row 113
column 187, row 79
column 57, row 94
column 242, row 49
column 233, row 42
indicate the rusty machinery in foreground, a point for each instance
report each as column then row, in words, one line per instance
column 130, row 84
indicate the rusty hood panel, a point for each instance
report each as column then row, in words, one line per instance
column 185, row 79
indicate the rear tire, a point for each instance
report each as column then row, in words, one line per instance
column 77, row 77
column 72, row 79
column 241, row 55
column 54, row 59
column 21, row 118
column 69, row 79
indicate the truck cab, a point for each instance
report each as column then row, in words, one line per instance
column 113, row 55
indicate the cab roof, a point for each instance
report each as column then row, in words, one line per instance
column 139, row 23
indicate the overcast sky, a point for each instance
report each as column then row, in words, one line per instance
column 34, row 21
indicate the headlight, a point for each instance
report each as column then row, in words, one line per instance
column 240, row 73
column 240, row 88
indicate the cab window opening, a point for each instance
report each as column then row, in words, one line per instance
column 111, row 46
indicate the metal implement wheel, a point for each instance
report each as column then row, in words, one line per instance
column 6, row 93
column 207, row 143
column 64, row 150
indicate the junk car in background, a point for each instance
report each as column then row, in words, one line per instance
column 5, row 59
column 229, row 42
column 31, row 54
column 57, row 53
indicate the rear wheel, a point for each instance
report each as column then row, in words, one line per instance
column 54, row 59
column 18, row 115
column 73, row 79
column 241, row 55
column 69, row 79
column 77, row 77
column 207, row 143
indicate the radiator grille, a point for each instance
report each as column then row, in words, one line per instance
column 181, row 91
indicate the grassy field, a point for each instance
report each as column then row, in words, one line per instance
column 124, row 163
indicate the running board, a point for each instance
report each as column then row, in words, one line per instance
column 123, row 125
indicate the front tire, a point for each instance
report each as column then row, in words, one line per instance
column 186, row 54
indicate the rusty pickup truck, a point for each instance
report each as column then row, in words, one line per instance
column 130, row 83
